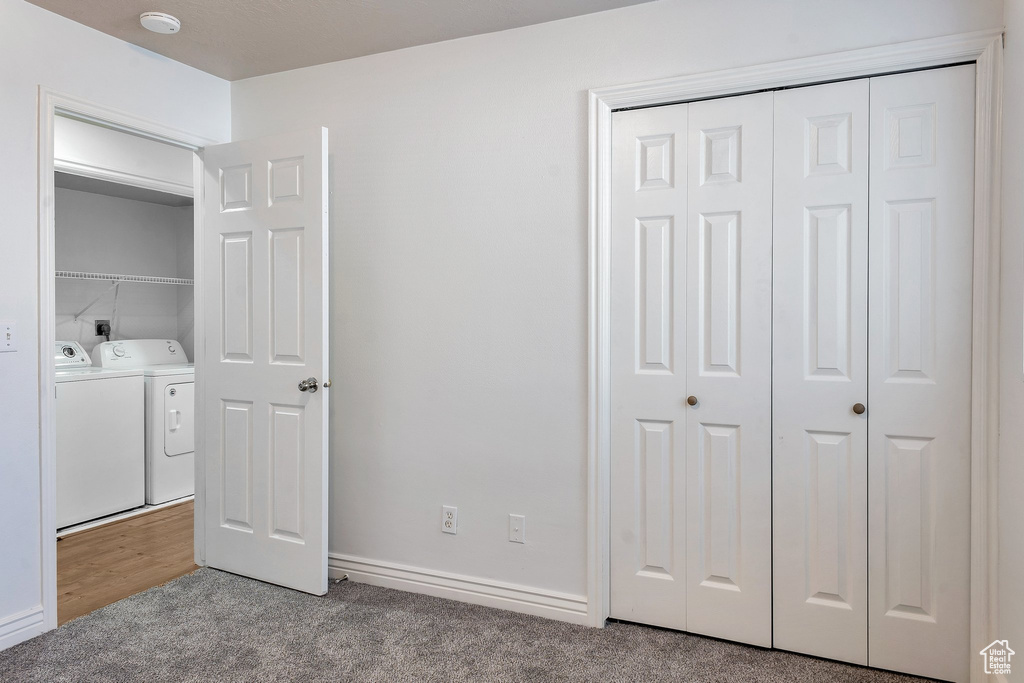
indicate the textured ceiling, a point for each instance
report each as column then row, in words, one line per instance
column 234, row 40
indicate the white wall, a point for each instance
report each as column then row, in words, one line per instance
column 1011, row 384
column 459, row 259
column 101, row 234
column 186, row 268
column 37, row 47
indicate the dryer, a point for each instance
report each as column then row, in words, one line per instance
column 170, row 411
column 100, row 437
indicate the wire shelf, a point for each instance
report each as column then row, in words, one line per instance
column 115, row 277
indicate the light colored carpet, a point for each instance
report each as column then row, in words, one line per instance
column 212, row 626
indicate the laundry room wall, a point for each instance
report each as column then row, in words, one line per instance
column 459, row 264
column 40, row 48
column 102, row 234
column 186, row 268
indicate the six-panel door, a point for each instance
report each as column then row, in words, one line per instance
column 265, row 311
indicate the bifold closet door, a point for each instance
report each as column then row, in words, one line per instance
column 820, row 370
column 648, row 367
column 690, row 529
column 919, row 383
column 729, row 323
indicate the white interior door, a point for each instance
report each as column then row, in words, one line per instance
column 728, row 368
column 820, row 370
column 919, row 384
column 648, row 367
column 264, row 257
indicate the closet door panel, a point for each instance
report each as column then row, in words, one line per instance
column 728, row 368
column 920, row 303
column 819, row 370
column 648, row 369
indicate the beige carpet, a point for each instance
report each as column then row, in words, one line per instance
column 212, row 626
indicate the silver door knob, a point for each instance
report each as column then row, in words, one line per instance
column 310, row 385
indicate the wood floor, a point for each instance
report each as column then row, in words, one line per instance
column 105, row 564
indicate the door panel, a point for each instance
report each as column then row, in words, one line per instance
column 265, row 268
column 648, row 368
column 820, row 370
column 728, row 368
column 919, row 387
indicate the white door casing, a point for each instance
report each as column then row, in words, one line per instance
column 919, row 385
column 265, row 307
column 728, row 359
column 820, row 370
column 648, row 504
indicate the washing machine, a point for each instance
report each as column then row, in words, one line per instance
column 170, row 411
column 101, row 445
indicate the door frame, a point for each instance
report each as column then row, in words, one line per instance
column 50, row 104
column 981, row 47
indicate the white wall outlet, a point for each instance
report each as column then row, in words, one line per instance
column 8, row 340
column 449, row 519
column 517, row 528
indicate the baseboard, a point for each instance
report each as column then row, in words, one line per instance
column 21, row 626
column 516, row 598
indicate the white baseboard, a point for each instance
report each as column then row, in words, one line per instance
column 21, row 626
column 487, row 592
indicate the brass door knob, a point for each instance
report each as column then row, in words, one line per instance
column 859, row 408
column 692, row 400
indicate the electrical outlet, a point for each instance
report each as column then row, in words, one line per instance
column 449, row 519
column 102, row 328
column 517, row 528
column 8, row 341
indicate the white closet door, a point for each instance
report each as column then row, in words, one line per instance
column 820, row 370
column 648, row 367
column 728, row 368
column 919, row 384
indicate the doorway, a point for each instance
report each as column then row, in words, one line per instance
column 123, row 235
column 117, row 231
column 267, row 202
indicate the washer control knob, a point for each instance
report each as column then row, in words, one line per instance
column 118, row 351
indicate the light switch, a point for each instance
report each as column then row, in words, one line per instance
column 8, row 340
column 517, row 528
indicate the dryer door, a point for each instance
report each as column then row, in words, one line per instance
column 179, row 418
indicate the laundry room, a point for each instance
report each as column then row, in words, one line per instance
column 124, row 346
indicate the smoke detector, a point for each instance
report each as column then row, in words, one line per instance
column 159, row 22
